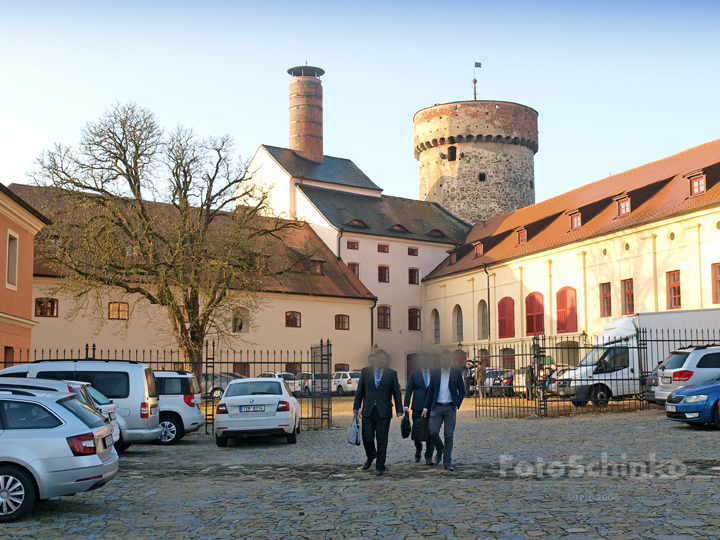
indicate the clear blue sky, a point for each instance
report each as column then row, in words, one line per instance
column 616, row 83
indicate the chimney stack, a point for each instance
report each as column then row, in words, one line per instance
column 306, row 112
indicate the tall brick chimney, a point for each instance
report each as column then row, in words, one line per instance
column 306, row 112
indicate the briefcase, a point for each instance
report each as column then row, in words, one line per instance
column 420, row 429
column 405, row 426
column 354, row 435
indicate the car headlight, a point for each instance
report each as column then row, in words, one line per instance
column 696, row 399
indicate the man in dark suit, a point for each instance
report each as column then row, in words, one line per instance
column 415, row 395
column 377, row 387
column 444, row 397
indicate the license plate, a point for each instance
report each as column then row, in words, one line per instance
column 670, row 408
column 666, row 380
column 252, row 408
column 108, row 441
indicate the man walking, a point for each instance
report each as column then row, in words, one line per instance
column 417, row 386
column 378, row 386
column 444, row 397
column 480, row 375
column 530, row 382
column 467, row 377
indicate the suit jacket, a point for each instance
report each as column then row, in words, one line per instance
column 456, row 385
column 368, row 397
column 416, row 390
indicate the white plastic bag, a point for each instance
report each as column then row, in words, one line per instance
column 354, row 435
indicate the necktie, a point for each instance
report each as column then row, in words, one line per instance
column 378, row 376
column 425, row 376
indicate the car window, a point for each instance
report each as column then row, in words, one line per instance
column 23, row 415
column 57, row 375
column 675, row 361
column 253, row 388
column 709, row 361
column 613, row 360
column 84, row 396
column 19, row 375
column 114, row 384
column 99, row 397
column 171, row 385
column 88, row 416
column 289, row 377
column 150, row 382
column 194, row 386
column 323, row 376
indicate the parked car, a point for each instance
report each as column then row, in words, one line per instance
column 52, row 445
column 493, row 381
column 315, row 383
column 651, row 384
column 695, row 405
column 130, row 385
column 552, row 381
column 179, row 398
column 686, row 367
column 257, row 406
column 214, row 384
column 506, row 386
column 80, row 389
column 345, row 382
column 291, row 380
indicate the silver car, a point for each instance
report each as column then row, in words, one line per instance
column 50, row 445
column 685, row 367
column 214, row 384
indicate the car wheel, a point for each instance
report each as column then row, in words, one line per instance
column 578, row 403
column 121, row 446
column 17, row 493
column 340, row 391
column 600, row 396
column 216, row 393
column 171, row 430
column 221, row 441
column 716, row 416
column 292, row 437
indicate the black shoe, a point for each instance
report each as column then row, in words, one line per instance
column 450, row 468
column 429, row 462
column 367, row 464
column 417, row 458
column 380, row 472
column 438, row 458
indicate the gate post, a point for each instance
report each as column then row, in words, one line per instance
column 538, row 356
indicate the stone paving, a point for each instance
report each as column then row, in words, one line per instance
column 576, row 477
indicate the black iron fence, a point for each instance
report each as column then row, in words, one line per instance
column 557, row 375
column 307, row 372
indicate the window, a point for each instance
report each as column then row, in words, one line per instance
column 342, row 367
column 458, row 317
column 534, row 314
column 623, row 207
column 484, row 320
column 711, row 360
column 240, row 321
column 383, row 274
column 383, row 318
column 241, row 368
column 453, row 257
column 383, row 248
column 716, row 283
column 521, row 237
column 316, row 268
column 606, row 298
column 575, row 222
column 118, row 311
column 673, row 285
column 478, row 250
column 23, row 415
column 398, row 227
column 697, row 185
column 613, row 360
column 113, row 384
column 292, row 319
column 628, row 297
column 436, row 232
column 414, row 276
column 566, row 310
column 436, row 326
column 46, row 307
column 482, row 177
column 12, row 261
column 355, row 269
column 506, row 318
column 413, row 252
column 294, row 368
column 508, row 358
column 342, row 322
column 413, row 319
column 452, row 153
column 353, row 244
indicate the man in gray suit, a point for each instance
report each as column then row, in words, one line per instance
column 415, row 395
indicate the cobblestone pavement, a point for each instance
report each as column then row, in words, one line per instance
column 315, row 490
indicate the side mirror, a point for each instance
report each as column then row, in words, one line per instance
column 297, row 394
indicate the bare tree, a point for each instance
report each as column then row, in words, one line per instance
column 166, row 219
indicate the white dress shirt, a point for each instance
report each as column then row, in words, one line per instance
column 444, row 390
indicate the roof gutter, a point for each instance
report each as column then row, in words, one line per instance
column 341, row 230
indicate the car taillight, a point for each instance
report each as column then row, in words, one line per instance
column 283, row 406
column 189, row 400
column 221, row 409
column 144, row 410
column 683, row 375
column 349, row 381
column 506, row 381
column 70, row 389
column 82, row 445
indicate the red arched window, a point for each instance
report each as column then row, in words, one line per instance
column 534, row 314
column 506, row 318
column 383, row 318
column 566, row 310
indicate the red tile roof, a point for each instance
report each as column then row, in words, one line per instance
column 656, row 190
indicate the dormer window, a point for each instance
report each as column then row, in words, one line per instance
column 357, row 223
column 316, row 268
column 453, row 257
column 575, row 221
column 436, row 232
column 521, row 237
column 623, row 207
column 697, row 185
column 398, row 227
column 478, row 250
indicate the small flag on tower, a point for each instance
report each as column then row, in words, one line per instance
column 478, row 65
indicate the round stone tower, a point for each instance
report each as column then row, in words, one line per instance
column 306, row 112
column 476, row 157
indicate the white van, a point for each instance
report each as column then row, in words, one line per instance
column 130, row 385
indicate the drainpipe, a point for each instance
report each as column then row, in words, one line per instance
column 372, row 322
column 340, row 243
column 488, row 301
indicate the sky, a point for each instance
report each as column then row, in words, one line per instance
column 616, row 83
